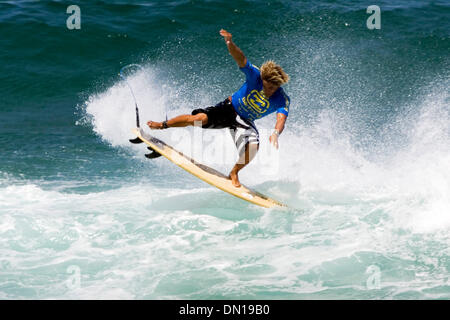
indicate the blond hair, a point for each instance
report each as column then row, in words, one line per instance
column 272, row 72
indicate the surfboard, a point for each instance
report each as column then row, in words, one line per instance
column 203, row 172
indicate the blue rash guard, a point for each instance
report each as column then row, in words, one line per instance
column 251, row 103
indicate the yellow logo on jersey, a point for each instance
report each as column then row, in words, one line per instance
column 257, row 101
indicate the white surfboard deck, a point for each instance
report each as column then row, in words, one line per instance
column 205, row 173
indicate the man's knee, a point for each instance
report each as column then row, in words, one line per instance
column 249, row 153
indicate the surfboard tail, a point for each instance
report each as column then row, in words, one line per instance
column 137, row 140
column 153, row 154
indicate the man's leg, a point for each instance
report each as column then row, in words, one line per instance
column 250, row 152
column 181, row 121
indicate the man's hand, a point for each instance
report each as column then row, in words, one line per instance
column 274, row 140
column 235, row 52
column 226, row 35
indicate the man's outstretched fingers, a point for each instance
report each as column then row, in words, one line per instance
column 225, row 34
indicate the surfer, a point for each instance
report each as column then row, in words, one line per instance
column 259, row 96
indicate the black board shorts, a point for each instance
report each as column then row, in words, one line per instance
column 223, row 115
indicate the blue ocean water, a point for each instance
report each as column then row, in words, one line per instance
column 364, row 161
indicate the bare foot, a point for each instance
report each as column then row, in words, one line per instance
column 154, row 125
column 234, row 179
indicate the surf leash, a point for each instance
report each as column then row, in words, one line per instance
column 137, row 140
column 124, row 77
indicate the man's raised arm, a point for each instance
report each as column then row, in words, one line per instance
column 234, row 50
